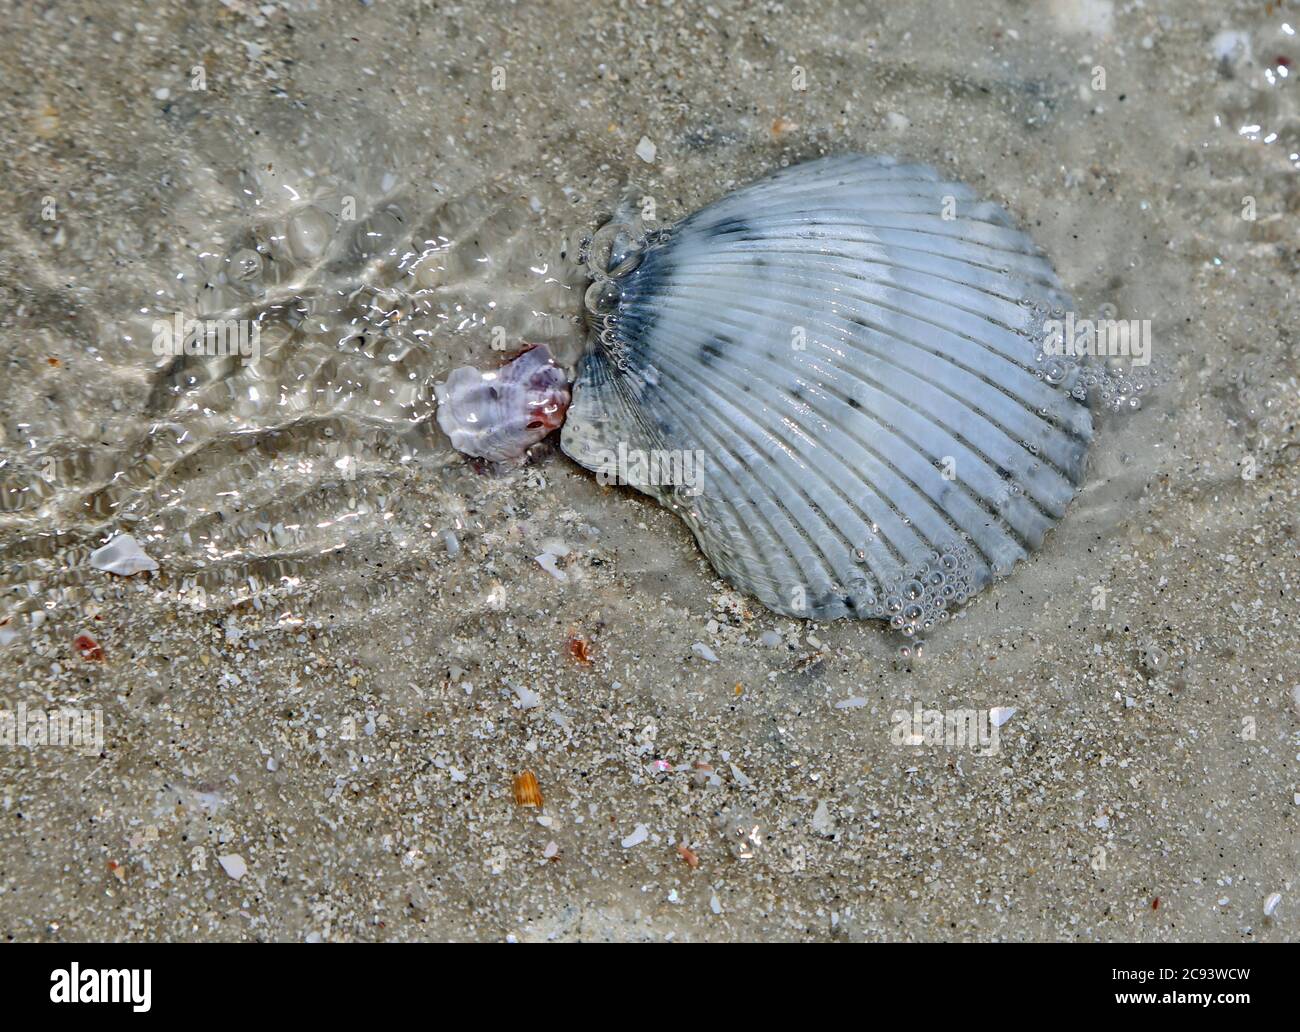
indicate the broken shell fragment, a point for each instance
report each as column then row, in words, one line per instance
column 527, row 791
column 499, row 415
column 88, row 648
column 580, row 649
column 122, row 556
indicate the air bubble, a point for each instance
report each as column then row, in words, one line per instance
column 245, row 265
column 309, row 232
column 602, row 297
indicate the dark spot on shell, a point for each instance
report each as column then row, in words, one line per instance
column 711, row 350
column 728, row 227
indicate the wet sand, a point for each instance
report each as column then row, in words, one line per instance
column 350, row 650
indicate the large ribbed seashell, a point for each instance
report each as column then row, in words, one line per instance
column 500, row 414
column 850, row 350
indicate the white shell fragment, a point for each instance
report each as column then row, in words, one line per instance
column 704, row 652
column 122, row 556
column 551, row 552
column 847, row 355
column 499, row 415
column 822, row 821
column 233, row 864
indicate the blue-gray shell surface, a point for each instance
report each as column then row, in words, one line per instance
column 852, row 349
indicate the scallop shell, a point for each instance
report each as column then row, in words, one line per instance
column 851, row 349
column 499, row 415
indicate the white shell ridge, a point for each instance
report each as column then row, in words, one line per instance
column 852, row 346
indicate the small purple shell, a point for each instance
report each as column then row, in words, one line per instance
column 499, row 415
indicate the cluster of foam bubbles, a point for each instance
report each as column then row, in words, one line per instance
column 1117, row 389
column 924, row 594
column 1108, row 382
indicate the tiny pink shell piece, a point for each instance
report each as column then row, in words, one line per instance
column 499, row 415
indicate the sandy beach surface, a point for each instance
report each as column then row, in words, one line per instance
column 311, row 717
